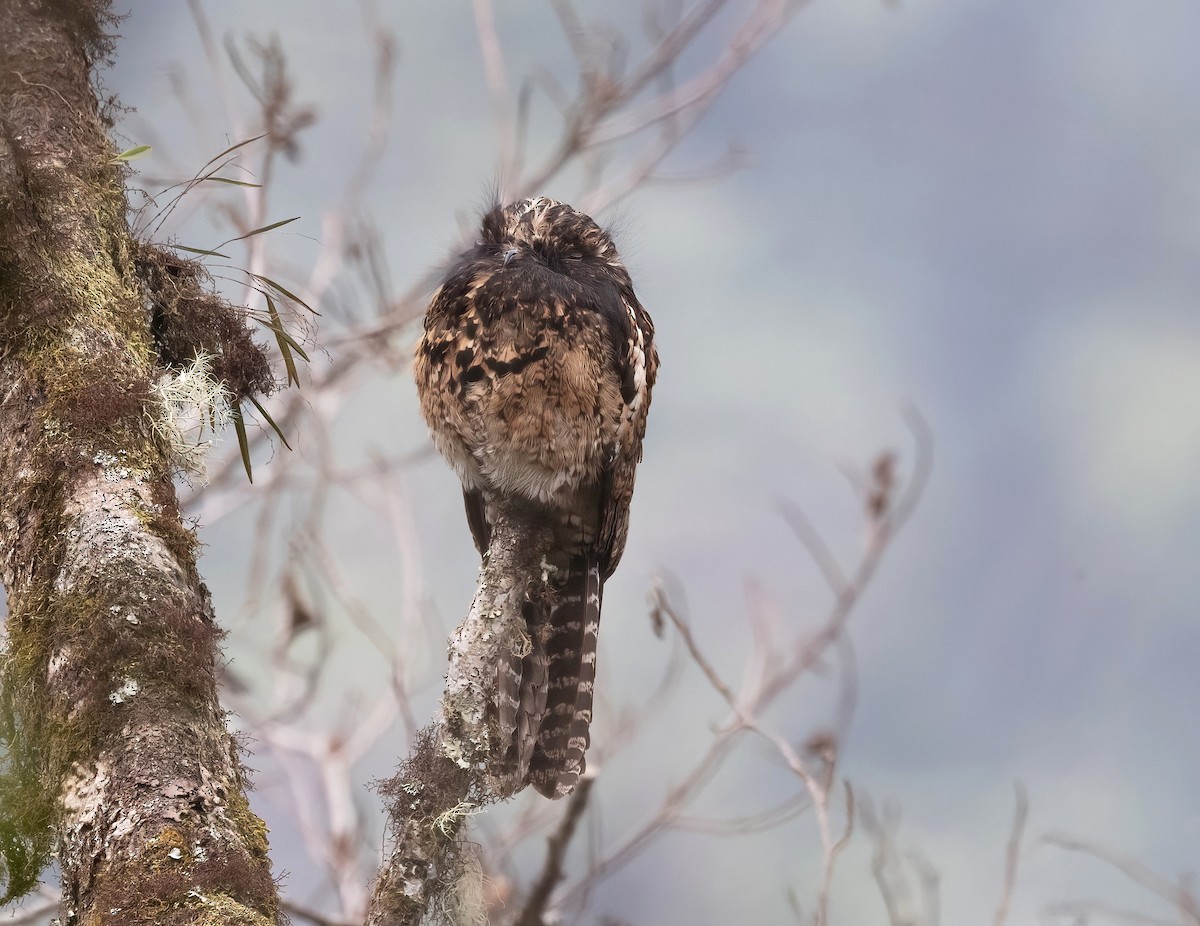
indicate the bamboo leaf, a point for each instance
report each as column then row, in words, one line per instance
column 265, row 321
column 232, row 181
column 259, row 231
column 269, row 420
column 282, row 341
column 217, row 157
column 295, row 346
column 184, row 247
column 287, row 294
column 243, row 444
column 201, row 176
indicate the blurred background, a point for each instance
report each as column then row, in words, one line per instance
column 986, row 211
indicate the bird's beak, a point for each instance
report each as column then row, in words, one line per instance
column 509, row 255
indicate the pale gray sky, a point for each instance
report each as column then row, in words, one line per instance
column 988, row 209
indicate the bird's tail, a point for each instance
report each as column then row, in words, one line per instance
column 569, row 641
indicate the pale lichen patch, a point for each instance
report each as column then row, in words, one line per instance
column 58, row 659
column 127, row 690
column 191, row 403
column 113, row 467
column 83, row 793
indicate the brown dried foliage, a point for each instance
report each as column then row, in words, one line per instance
column 189, row 318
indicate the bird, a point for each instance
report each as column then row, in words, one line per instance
column 534, row 373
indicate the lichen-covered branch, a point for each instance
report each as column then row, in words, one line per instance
column 464, row 760
column 115, row 750
column 481, row 718
column 430, row 870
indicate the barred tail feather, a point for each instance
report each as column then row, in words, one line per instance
column 521, row 697
column 570, row 651
column 508, row 703
column 534, row 677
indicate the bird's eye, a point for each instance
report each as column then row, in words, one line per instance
column 573, row 255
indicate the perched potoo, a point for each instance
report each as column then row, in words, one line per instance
column 534, row 374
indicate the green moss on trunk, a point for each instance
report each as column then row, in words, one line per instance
column 115, row 750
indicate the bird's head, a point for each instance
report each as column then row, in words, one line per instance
column 546, row 231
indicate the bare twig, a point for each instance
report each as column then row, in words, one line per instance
column 759, row 692
column 767, row 819
column 497, row 81
column 815, row 544
column 1179, row 894
column 887, row 865
column 535, row 908
column 302, row 912
column 1013, row 854
column 830, row 859
column 1084, row 911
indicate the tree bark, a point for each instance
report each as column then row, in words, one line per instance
column 116, row 754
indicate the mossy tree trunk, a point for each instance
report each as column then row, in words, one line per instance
column 116, row 755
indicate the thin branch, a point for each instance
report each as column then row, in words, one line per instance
column 677, row 798
column 758, row 694
column 317, row 919
column 930, row 881
column 1013, row 855
column 883, row 528
column 830, row 858
column 1177, row 894
column 815, row 544
column 699, row 92
column 556, row 849
column 1082, row 912
column 887, row 864
column 768, row 819
column 331, row 257
column 572, row 29
column 673, row 44
column 497, row 81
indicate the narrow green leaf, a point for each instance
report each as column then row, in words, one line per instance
column 282, row 341
column 201, row 176
column 295, row 346
column 265, row 320
column 287, row 294
column 231, row 181
column 132, row 154
column 259, row 231
column 217, row 157
column 184, row 247
column 269, row 420
column 243, row 444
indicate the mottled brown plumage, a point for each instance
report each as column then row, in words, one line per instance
column 534, row 374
